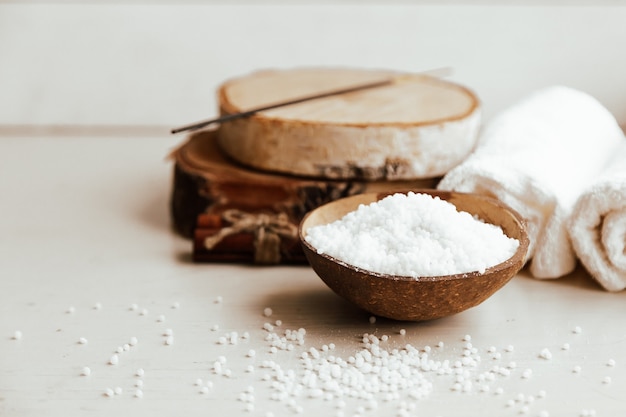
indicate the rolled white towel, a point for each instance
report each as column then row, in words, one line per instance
column 597, row 225
column 537, row 157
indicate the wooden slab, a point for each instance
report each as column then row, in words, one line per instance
column 418, row 127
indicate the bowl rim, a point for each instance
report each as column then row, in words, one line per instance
column 521, row 252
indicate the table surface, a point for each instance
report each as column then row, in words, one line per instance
column 85, row 223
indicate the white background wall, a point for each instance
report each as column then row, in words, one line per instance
column 159, row 63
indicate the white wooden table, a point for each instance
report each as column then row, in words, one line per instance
column 88, row 93
column 85, row 221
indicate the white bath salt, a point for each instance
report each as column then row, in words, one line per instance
column 160, row 318
column 218, row 299
column 577, row 330
column 509, row 348
column 250, row 369
column 126, row 347
column 70, row 310
column 176, row 305
column 97, row 306
column 109, row 392
column 118, row 390
column 204, row 390
column 133, row 307
column 372, row 319
column 545, row 354
column 119, row 349
column 467, row 338
column 577, row 369
column 144, row 312
column 610, row 362
column 413, row 235
column 541, row 394
column 606, row 380
column 17, row 335
column 565, row 346
column 139, row 372
column 86, row 371
column 402, row 332
column 169, row 340
column 267, row 311
column 114, row 360
column 138, row 393
column 133, row 341
column 82, row 341
column 527, row 373
column 139, row 383
column 251, row 353
column 544, row 413
column 278, row 323
column 215, row 327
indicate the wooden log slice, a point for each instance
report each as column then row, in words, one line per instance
column 205, row 181
column 417, row 127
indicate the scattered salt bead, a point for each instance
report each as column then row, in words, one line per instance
column 209, row 384
column 524, row 410
column 118, row 390
column 384, row 338
column 168, row 332
column 545, row 354
column 139, row 383
column 133, row 341
column 227, row 373
column 510, row 403
column 250, row 369
column 119, row 349
column 160, row 318
column 251, row 353
column 577, row 330
column 218, row 299
column 198, row 382
column 133, row 307
column 544, row 413
column 109, row 392
column 267, row 311
column 249, row 407
column 440, row 344
column 606, row 380
column 541, row 394
column 222, row 359
column 215, row 327
column 126, row 347
column 169, row 340
column 139, row 372
column 527, row 373
column 138, row 393
column 565, row 346
column 273, row 349
column 372, row 319
column 499, row 391
column 114, row 360
column 491, row 349
column 577, row 369
column 509, row 348
column 17, row 335
column 204, row 390
column 467, row 338
column 610, row 362
column 144, row 312
column 70, row 310
column 176, row 305
column 86, row 371
column 402, row 332
column 97, row 306
column 278, row 323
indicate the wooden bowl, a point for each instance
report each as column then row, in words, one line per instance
column 409, row 298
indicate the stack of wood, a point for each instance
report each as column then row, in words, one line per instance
column 241, row 190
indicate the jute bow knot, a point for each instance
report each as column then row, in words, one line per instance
column 268, row 229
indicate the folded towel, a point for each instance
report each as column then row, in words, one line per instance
column 597, row 225
column 537, row 157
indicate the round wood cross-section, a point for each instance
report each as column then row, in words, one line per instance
column 415, row 127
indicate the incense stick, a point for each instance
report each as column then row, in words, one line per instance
column 233, row 116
